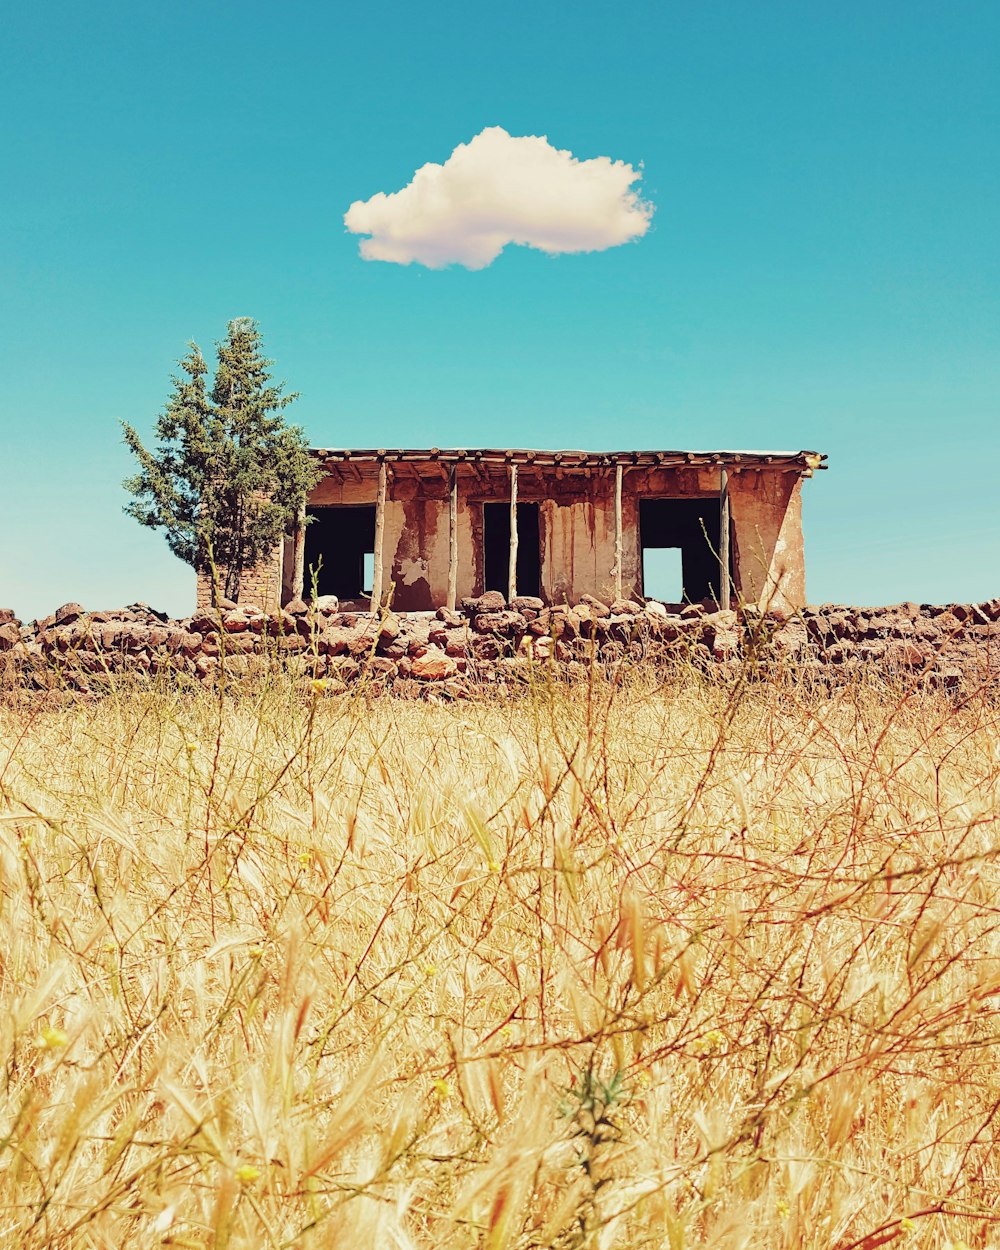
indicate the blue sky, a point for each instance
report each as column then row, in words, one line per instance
column 822, row 270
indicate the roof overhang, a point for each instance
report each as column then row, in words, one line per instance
column 804, row 462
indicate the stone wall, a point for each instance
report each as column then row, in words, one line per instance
column 489, row 641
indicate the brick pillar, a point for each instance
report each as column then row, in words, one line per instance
column 260, row 585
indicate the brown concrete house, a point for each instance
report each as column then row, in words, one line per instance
column 423, row 529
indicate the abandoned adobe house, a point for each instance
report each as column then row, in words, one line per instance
column 424, row 529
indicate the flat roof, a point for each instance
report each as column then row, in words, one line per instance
column 805, row 462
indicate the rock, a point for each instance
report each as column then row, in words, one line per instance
column 907, row 655
column 991, row 609
column 406, row 688
column 449, row 617
column 184, row 641
column 692, row 609
column 417, row 632
column 235, row 622
column 526, row 603
column 68, row 613
column 327, row 603
column 948, row 623
column 388, row 627
column 655, row 608
column 205, row 665
column 542, row 648
column 239, row 644
column 948, row 679
column 625, row 607
column 292, row 642
column 206, row 621
column 344, row 667
column 721, row 620
column 454, row 688
column 791, row 639
column 725, row 644
column 239, row 665
column 485, row 648
column 492, row 601
column 10, row 635
column 143, row 610
column 336, row 640
column 598, row 607
column 501, row 622
column 433, row 665
column 297, row 607
column 566, row 624
column 516, row 666
column 7, row 616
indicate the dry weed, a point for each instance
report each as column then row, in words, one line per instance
column 694, row 966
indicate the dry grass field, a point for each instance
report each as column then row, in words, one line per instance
column 698, row 966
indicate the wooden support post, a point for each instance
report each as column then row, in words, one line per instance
column 299, row 553
column 617, row 570
column 724, row 580
column 512, row 560
column 452, row 536
column 376, row 602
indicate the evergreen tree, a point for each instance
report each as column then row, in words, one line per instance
column 228, row 473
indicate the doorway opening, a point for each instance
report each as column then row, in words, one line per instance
column 340, row 542
column 691, row 528
column 496, row 548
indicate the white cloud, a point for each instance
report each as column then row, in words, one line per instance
column 499, row 189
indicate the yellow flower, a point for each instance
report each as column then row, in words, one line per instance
column 256, row 952
column 190, row 747
column 51, row 1038
column 305, row 858
column 493, row 866
column 319, row 684
column 782, row 1208
column 906, row 1225
column 442, row 1089
column 430, row 970
column 246, row 1174
column 712, row 1041
column 507, row 1031
column 645, row 1080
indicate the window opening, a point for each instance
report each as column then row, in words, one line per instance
column 662, row 576
column 496, row 548
column 691, row 527
column 341, row 541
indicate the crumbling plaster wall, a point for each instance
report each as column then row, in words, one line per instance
column 769, row 556
column 577, row 532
